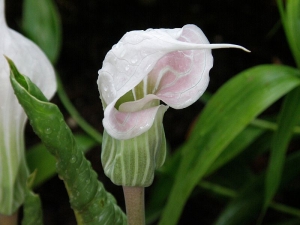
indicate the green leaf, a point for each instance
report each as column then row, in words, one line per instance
column 229, row 111
column 244, row 139
column 288, row 119
column 249, row 201
column 165, row 177
column 38, row 158
column 41, row 24
column 32, row 209
column 291, row 23
column 88, row 198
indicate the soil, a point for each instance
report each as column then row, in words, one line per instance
column 91, row 27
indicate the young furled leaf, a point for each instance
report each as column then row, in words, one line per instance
column 88, row 198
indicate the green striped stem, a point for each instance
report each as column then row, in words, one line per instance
column 133, row 162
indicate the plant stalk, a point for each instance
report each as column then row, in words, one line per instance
column 9, row 220
column 135, row 207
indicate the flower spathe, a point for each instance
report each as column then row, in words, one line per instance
column 142, row 69
column 171, row 65
column 32, row 62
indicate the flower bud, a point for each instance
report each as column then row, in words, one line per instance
column 143, row 68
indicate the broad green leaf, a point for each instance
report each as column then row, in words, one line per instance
column 245, row 138
column 88, row 198
column 290, row 18
column 248, row 203
column 38, row 158
column 261, row 145
column 32, row 209
column 289, row 117
column 41, row 23
column 228, row 112
column 165, row 177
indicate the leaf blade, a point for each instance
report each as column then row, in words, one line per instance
column 41, row 23
column 234, row 106
column 288, row 119
column 88, row 198
column 38, row 158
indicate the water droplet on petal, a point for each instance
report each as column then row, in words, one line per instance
column 134, row 60
column 144, row 53
column 127, row 67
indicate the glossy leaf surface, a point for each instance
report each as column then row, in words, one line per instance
column 229, row 111
column 88, row 198
column 290, row 17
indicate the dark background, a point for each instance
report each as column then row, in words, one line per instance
column 91, row 27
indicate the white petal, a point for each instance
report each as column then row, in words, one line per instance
column 138, row 53
column 125, row 125
column 32, row 62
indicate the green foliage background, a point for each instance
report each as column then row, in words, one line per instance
column 233, row 130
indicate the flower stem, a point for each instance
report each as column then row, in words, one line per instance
column 9, row 220
column 135, row 207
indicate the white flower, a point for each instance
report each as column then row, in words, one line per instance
column 32, row 62
column 171, row 65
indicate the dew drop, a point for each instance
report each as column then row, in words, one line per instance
column 144, row 53
column 134, row 59
column 127, row 67
column 73, row 159
column 87, row 181
column 48, row 130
